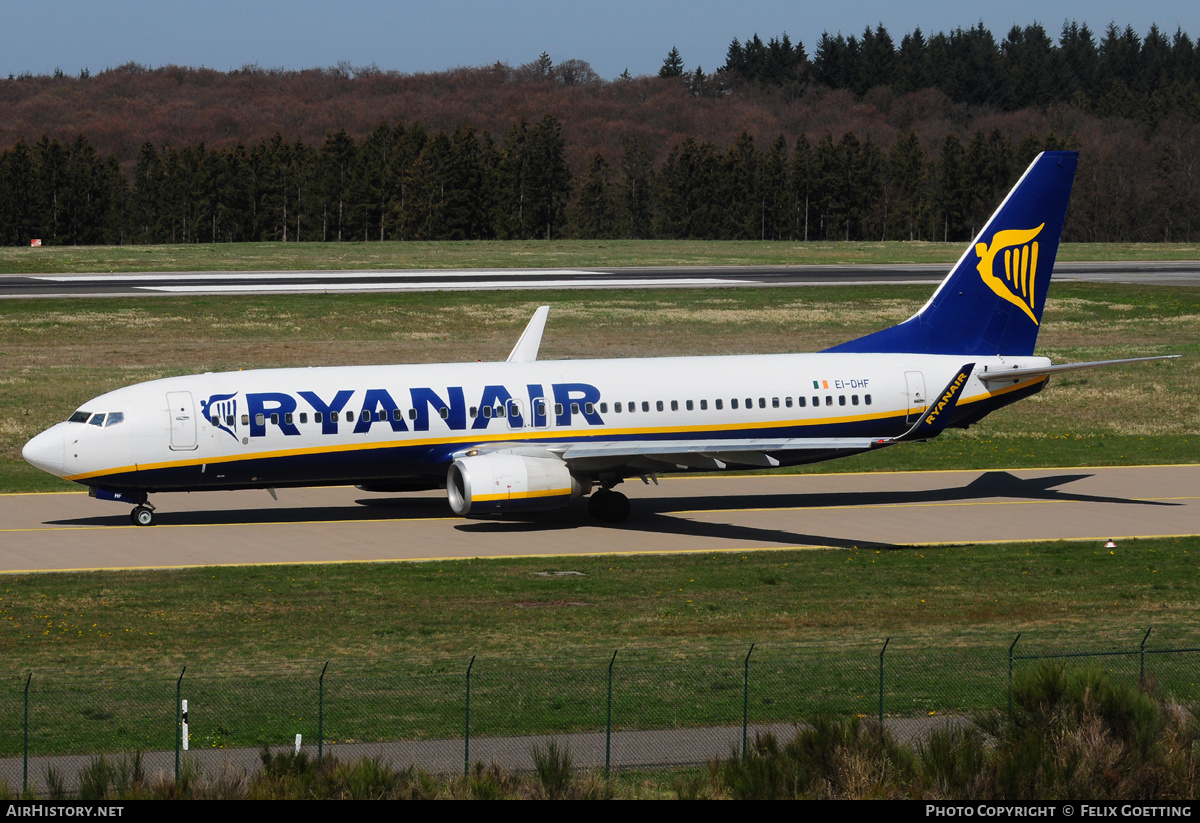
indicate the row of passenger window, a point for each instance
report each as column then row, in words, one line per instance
column 541, row 408
column 689, row 405
column 318, row 417
column 99, row 419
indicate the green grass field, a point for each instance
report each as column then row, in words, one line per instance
column 521, row 254
column 106, row 648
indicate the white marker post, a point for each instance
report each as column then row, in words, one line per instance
column 185, row 727
column 297, row 744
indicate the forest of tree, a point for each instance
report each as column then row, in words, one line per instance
column 864, row 140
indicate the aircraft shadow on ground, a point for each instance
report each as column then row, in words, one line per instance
column 661, row 515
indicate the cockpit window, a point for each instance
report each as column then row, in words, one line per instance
column 79, row 417
column 97, row 419
column 114, row 418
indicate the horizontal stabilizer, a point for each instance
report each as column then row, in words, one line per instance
column 1013, row 375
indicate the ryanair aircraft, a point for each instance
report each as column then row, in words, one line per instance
column 528, row 435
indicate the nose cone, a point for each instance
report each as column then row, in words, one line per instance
column 46, row 451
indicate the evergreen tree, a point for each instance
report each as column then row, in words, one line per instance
column 596, row 212
column 906, row 177
column 774, row 204
column 172, row 197
column 638, row 176
column 1078, row 60
column 741, row 197
column 17, row 195
column 952, row 194
column 912, row 64
column 1032, row 72
column 688, row 192
column 426, row 208
column 143, row 201
column 824, row 188
column 376, row 179
column 673, row 64
column 277, row 189
column 409, row 143
column 514, row 192
column 466, row 207
column 50, row 173
column 302, row 175
column 549, row 178
column 335, row 170
column 800, row 181
column 877, row 59
column 491, row 161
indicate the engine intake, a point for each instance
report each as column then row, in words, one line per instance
column 498, row 483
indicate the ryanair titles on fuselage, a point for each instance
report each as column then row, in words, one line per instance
column 379, row 407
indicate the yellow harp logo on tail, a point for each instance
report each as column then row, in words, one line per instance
column 1016, row 284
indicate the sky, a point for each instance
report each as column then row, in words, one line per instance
column 611, row 35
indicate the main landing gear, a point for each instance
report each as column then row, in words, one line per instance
column 608, row 506
column 143, row 515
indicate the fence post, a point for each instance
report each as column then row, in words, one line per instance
column 608, row 721
column 1010, row 670
column 467, row 735
column 178, row 721
column 321, row 713
column 1142, row 660
column 746, row 698
column 881, row 651
column 25, row 742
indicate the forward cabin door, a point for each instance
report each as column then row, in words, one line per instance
column 183, row 420
column 916, row 395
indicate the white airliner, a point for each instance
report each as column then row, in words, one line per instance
column 528, row 435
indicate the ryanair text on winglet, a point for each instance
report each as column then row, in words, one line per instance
column 947, row 398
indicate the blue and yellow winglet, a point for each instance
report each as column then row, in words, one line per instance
column 938, row 413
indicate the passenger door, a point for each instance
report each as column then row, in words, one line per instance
column 916, row 395
column 183, row 420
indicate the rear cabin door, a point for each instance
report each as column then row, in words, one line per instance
column 916, row 395
column 183, row 420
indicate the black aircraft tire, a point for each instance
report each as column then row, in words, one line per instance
column 608, row 506
column 142, row 516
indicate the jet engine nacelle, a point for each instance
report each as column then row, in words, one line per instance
column 497, row 483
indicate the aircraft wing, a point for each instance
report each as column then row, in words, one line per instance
column 705, row 454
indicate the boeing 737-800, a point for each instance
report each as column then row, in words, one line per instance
column 529, row 435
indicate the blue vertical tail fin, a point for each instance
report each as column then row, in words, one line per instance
column 991, row 302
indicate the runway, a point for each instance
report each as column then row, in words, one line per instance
column 70, row 531
column 1179, row 273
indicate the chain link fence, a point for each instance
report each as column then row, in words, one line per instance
column 629, row 708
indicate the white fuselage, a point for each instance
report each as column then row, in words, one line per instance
column 373, row 424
